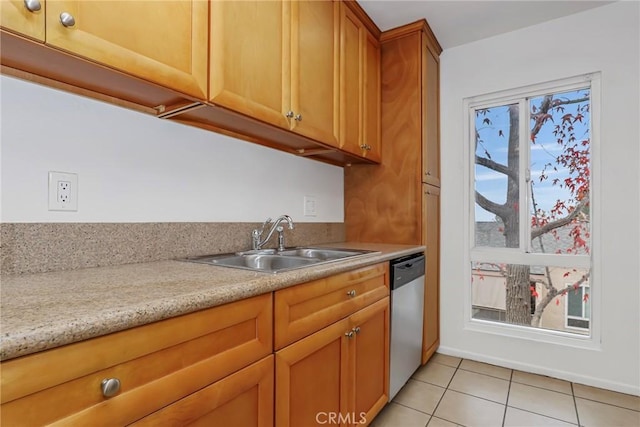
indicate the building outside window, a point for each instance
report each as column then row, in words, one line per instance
column 531, row 205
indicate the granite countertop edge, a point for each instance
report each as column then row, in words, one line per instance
column 38, row 312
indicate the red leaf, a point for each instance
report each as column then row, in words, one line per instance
column 566, row 274
column 585, row 298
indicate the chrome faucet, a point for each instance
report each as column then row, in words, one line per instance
column 256, row 235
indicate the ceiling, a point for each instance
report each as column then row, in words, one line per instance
column 456, row 22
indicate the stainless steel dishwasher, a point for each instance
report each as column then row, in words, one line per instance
column 407, row 306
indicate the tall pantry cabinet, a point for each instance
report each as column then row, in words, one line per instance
column 398, row 201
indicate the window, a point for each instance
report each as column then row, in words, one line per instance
column 578, row 307
column 530, row 198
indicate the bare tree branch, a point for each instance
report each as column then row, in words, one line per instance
column 547, row 105
column 498, row 167
column 551, row 294
column 486, row 204
column 535, row 232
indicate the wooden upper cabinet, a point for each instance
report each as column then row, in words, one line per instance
column 371, row 94
column 250, row 70
column 161, row 42
column 23, row 17
column 430, row 114
column 359, row 87
column 315, row 69
column 277, row 61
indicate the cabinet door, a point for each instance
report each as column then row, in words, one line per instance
column 431, row 239
column 351, row 82
column 18, row 18
column 249, row 68
column 430, row 116
column 244, row 398
column 359, row 87
column 311, row 376
column 162, row 42
column 371, row 360
column 371, row 98
column 314, row 69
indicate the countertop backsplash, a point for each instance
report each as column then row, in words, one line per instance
column 43, row 247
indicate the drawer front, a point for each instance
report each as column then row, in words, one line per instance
column 304, row 309
column 244, row 398
column 167, row 360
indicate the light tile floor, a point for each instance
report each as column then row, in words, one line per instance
column 449, row 392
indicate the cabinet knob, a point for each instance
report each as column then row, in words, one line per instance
column 67, row 19
column 298, row 117
column 428, row 173
column 368, row 147
column 356, row 329
column 349, row 334
column 351, row 293
column 110, row 387
column 32, row 5
column 363, row 146
column 289, row 114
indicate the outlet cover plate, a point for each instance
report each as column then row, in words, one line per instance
column 63, row 197
column 310, row 205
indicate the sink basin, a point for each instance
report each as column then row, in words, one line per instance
column 321, row 253
column 272, row 261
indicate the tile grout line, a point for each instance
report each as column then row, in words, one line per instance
column 506, row 403
column 445, row 392
column 575, row 404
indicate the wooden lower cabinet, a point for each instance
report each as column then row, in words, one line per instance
column 243, row 399
column 338, row 375
column 156, row 364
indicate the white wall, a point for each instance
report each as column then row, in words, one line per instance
column 604, row 39
column 135, row 168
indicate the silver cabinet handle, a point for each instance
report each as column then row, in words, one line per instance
column 349, row 334
column 356, row 329
column 32, row 5
column 67, row 19
column 298, row 117
column 110, row 387
column 351, row 293
column 289, row 114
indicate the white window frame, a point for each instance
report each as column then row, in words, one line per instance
column 584, row 289
column 524, row 255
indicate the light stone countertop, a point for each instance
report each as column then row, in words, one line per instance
column 48, row 310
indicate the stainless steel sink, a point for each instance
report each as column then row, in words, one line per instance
column 272, row 261
column 321, row 253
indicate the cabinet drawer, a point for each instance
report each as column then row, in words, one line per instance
column 244, row 398
column 167, row 360
column 306, row 308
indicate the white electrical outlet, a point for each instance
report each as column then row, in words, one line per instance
column 63, row 191
column 310, row 205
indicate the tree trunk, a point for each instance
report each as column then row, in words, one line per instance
column 518, row 304
column 518, row 295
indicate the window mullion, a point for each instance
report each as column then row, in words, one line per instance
column 523, row 177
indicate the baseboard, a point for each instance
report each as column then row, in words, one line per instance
column 535, row 369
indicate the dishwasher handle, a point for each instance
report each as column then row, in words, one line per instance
column 405, row 270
